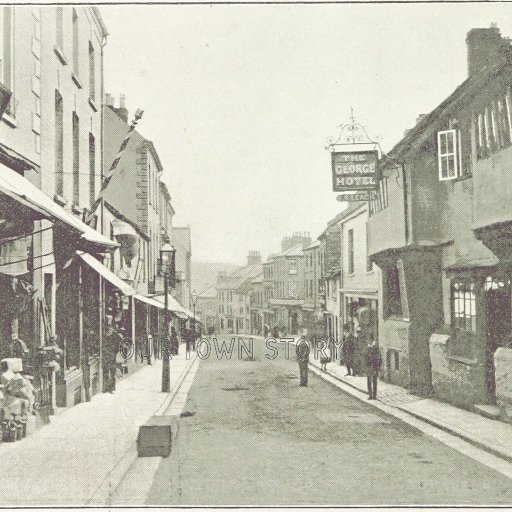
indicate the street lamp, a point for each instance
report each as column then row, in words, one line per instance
column 194, row 302
column 168, row 270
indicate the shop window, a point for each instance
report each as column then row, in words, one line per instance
column 448, row 158
column 463, row 305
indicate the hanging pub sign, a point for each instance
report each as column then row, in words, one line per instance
column 354, row 171
column 354, row 197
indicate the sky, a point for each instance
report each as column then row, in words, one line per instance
column 240, row 101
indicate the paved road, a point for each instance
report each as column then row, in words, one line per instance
column 255, row 437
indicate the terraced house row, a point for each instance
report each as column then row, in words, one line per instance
column 69, row 270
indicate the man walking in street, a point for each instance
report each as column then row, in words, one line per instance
column 373, row 362
column 113, row 339
column 348, row 349
column 302, row 350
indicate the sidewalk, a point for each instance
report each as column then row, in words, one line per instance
column 80, row 457
column 490, row 435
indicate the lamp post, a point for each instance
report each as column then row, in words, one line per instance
column 168, row 269
column 194, row 302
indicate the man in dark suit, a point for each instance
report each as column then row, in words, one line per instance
column 302, row 350
column 373, row 361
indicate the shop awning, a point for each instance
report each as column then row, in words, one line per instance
column 107, row 274
column 175, row 307
column 19, row 188
column 150, row 301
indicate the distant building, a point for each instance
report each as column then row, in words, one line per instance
column 287, row 271
column 257, row 296
column 206, row 310
column 314, row 298
column 234, row 299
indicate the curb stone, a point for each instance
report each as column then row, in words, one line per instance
column 103, row 494
column 434, row 422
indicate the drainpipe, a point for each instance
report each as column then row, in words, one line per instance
column 406, row 204
column 101, row 282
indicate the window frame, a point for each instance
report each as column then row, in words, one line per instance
column 448, row 154
column 465, row 286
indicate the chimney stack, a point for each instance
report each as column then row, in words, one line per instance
column 121, row 111
column 109, row 100
column 298, row 238
column 253, row 258
column 485, row 47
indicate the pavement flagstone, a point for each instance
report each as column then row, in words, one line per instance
column 89, row 446
column 490, row 435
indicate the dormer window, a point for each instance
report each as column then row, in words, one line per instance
column 448, row 154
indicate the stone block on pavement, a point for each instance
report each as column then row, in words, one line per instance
column 155, row 437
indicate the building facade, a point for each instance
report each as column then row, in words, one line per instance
column 439, row 235
column 234, row 297
column 288, row 285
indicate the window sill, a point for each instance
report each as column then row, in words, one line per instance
column 93, row 105
column 464, row 178
column 76, row 209
column 61, row 201
column 76, row 80
column 11, row 121
column 60, row 55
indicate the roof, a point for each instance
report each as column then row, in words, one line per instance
column 258, row 279
column 107, row 274
column 208, row 293
column 293, row 251
column 351, row 208
column 472, row 263
column 467, row 90
column 19, row 188
column 239, row 277
column 313, row 245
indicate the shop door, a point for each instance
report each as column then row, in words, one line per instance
column 498, row 329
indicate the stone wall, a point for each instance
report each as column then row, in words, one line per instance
column 456, row 380
column 503, row 377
